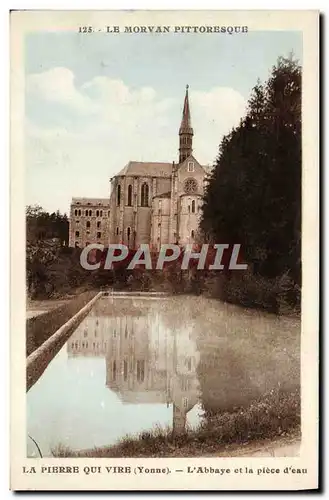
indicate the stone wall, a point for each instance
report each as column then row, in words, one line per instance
column 40, row 328
column 39, row 359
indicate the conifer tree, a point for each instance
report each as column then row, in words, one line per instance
column 254, row 194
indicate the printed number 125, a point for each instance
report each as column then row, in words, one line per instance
column 85, row 29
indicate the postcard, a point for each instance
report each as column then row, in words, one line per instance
column 164, row 250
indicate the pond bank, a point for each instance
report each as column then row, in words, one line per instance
column 52, row 316
column 268, row 427
column 39, row 359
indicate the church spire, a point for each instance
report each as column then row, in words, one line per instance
column 185, row 131
column 186, row 118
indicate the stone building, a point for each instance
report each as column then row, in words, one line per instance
column 89, row 221
column 156, row 203
column 150, row 202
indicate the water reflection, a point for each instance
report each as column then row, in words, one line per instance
column 146, row 361
column 134, row 364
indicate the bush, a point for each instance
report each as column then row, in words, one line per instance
column 277, row 295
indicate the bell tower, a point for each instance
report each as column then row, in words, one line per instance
column 185, row 131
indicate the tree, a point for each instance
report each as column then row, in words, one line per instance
column 254, row 193
column 40, row 225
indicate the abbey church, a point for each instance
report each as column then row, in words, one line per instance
column 150, row 202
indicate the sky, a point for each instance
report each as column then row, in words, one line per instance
column 93, row 102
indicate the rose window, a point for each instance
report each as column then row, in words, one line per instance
column 190, row 186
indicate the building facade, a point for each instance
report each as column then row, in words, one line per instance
column 151, row 202
column 89, row 221
column 159, row 203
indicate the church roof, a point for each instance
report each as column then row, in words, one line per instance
column 147, row 169
column 90, row 201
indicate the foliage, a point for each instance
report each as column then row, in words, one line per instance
column 40, row 225
column 254, row 193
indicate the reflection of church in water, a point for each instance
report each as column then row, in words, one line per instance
column 146, row 361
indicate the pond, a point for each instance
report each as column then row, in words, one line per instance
column 137, row 363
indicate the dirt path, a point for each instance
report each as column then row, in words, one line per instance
column 281, row 447
column 36, row 307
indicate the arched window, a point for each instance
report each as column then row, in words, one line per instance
column 79, row 212
column 118, row 195
column 77, row 234
column 145, row 195
column 140, row 370
column 101, row 213
column 86, row 213
column 90, row 213
column 192, row 234
column 88, row 223
column 117, row 231
column 97, row 213
column 130, row 195
column 128, row 233
column 75, row 212
column 193, row 206
column 108, row 213
column 98, row 224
